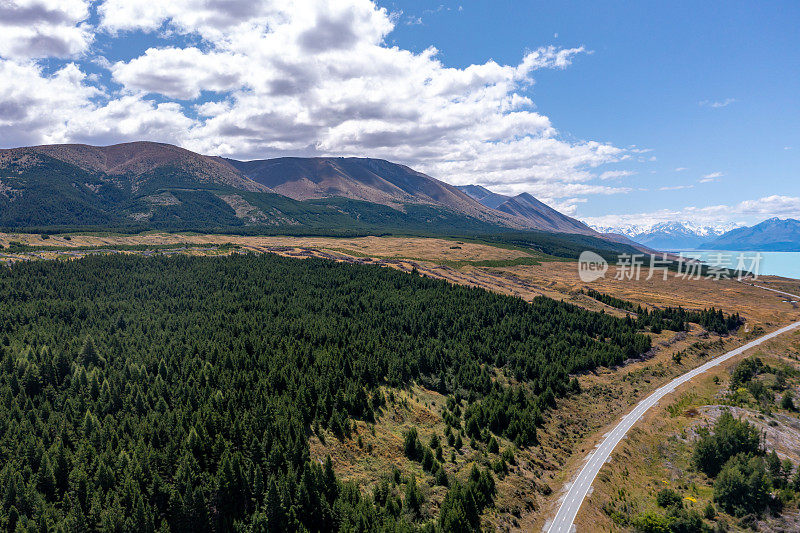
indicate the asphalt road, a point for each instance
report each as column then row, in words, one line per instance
column 773, row 290
column 563, row 522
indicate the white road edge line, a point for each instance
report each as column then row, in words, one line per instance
column 580, row 487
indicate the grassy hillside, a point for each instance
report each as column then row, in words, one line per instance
column 146, row 186
column 50, row 193
column 567, row 245
column 54, row 193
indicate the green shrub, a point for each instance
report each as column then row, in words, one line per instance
column 412, row 447
column 651, row 522
column 787, row 402
column 729, row 437
column 508, row 456
column 742, row 486
column 668, row 498
column 493, row 447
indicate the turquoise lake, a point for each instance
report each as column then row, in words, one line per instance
column 785, row 264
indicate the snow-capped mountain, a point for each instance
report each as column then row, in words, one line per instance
column 669, row 236
column 773, row 235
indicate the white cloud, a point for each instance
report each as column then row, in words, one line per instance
column 746, row 212
column 315, row 22
column 36, row 108
column 181, row 73
column 675, row 187
column 44, row 109
column 306, row 77
column 548, row 57
column 615, row 174
column 718, row 103
column 680, row 169
column 43, row 28
column 129, row 118
column 568, row 206
column 712, row 177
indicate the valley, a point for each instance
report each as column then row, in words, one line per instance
column 372, row 266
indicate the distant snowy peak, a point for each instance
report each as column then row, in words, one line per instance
column 672, row 227
column 669, row 236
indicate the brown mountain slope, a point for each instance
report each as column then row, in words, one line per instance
column 525, row 206
column 370, row 180
column 144, row 169
column 135, row 160
column 543, row 216
column 484, row 195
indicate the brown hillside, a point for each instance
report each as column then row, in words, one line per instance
column 136, row 159
column 370, row 180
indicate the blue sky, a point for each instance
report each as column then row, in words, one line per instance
column 615, row 112
column 652, row 64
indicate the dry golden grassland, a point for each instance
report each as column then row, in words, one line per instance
column 374, row 450
column 440, row 250
column 528, row 494
column 759, row 306
column 657, row 452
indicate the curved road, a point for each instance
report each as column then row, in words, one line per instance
column 562, row 523
column 773, row 290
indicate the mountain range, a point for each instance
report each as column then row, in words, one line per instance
column 775, row 234
column 147, row 185
column 668, row 236
column 772, row 235
column 527, row 207
column 165, row 186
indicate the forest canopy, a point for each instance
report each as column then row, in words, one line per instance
column 671, row 318
column 179, row 393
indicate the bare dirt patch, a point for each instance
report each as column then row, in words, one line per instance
column 243, row 209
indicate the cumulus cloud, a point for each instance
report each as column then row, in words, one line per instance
column 64, row 107
column 129, row 118
column 299, row 77
column 36, row 108
column 203, row 17
column 180, row 73
column 43, row 28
